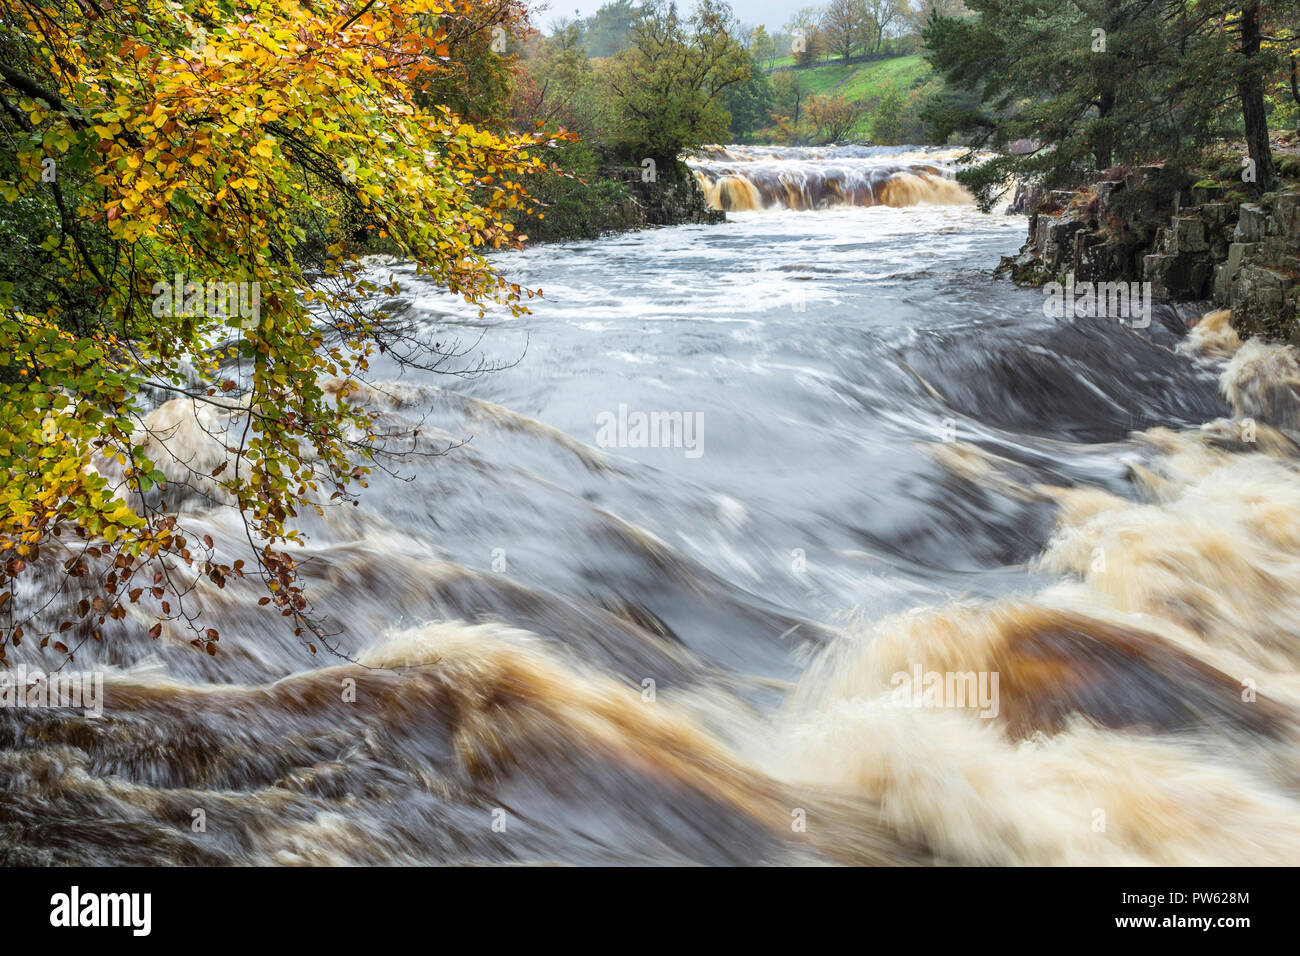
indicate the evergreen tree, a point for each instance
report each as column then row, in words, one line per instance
column 1100, row 82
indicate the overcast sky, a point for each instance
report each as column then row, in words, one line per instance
column 771, row 13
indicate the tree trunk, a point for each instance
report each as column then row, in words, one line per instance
column 1104, row 151
column 1295, row 90
column 1251, row 91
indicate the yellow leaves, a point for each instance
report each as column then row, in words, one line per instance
column 182, row 164
column 123, row 515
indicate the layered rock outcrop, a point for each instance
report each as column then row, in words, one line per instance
column 1191, row 242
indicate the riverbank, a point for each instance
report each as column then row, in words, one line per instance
column 1201, row 236
column 611, row 198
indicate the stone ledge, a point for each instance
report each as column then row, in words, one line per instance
column 1243, row 256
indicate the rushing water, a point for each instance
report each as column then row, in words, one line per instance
column 746, row 178
column 560, row 643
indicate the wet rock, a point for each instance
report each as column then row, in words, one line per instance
column 1216, row 214
column 1260, row 289
column 1177, row 275
column 1252, row 223
column 1098, row 258
column 1226, row 274
column 1026, row 199
column 1196, row 243
column 1056, row 239
column 1188, row 235
column 1286, row 213
column 1207, row 194
column 1024, row 269
column 670, row 202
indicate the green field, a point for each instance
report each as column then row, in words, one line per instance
column 865, row 81
column 870, row 81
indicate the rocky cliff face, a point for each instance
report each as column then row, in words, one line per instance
column 1197, row 242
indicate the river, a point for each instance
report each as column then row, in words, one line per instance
column 693, row 574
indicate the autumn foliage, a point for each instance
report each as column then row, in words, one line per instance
column 243, row 141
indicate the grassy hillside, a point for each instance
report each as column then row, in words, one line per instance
column 869, row 80
column 909, row 76
column 864, row 81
